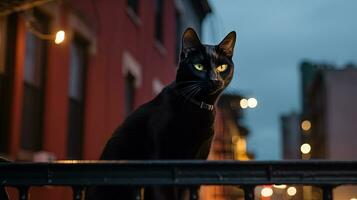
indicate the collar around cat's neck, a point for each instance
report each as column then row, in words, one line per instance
column 200, row 104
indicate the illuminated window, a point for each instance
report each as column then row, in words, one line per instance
column 34, row 79
column 78, row 63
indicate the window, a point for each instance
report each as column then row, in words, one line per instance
column 132, row 74
column 133, row 4
column 33, row 97
column 129, row 93
column 78, row 63
column 159, row 14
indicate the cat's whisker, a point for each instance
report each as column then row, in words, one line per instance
column 186, row 93
column 193, row 92
column 197, row 91
column 184, row 89
column 187, row 82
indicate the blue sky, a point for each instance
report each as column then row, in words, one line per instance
column 273, row 38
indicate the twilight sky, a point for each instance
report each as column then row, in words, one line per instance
column 273, row 38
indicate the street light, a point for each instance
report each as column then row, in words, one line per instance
column 60, row 36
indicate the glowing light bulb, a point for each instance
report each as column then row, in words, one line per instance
column 243, row 103
column 266, row 192
column 306, row 125
column 305, row 148
column 60, row 36
column 291, row 191
column 252, row 102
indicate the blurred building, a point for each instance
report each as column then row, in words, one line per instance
column 63, row 101
column 333, row 114
column 230, row 143
column 291, row 138
column 326, row 127
column 293, row 134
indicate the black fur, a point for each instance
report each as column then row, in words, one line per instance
column 171, row 126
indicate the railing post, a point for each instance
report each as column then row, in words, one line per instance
column 327, row 192
column 77, row 192
column 138, row 194
column 194, row 193
column 249, row 192
column 23, row 192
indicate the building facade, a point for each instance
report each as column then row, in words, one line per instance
column 63, row 101
column 291, row 136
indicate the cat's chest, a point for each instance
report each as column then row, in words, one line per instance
column 188, row 124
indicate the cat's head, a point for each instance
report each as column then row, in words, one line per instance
column 208, row 67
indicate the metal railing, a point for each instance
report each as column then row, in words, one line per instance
column 247, row 174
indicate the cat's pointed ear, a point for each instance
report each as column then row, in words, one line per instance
column 227, row 44
column 190, row 40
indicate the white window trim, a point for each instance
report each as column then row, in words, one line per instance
column 132, row 66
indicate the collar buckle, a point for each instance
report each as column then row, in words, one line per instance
column 206, row 106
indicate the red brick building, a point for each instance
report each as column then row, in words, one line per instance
column 64, row 100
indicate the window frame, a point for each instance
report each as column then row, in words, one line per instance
column 75, row 149
column 43, row 46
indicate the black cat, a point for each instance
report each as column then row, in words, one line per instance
column 178, row 123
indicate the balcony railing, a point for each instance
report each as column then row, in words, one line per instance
column 139, row 174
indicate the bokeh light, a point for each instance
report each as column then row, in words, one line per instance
column 306, row 125
column 243, row 103
column 305, row 148
column 291, row 191
column 266, row 192
column 280, row 186
column 252, row 102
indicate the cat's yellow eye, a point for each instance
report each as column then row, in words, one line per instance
column 199, row 67
column 222, row 68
